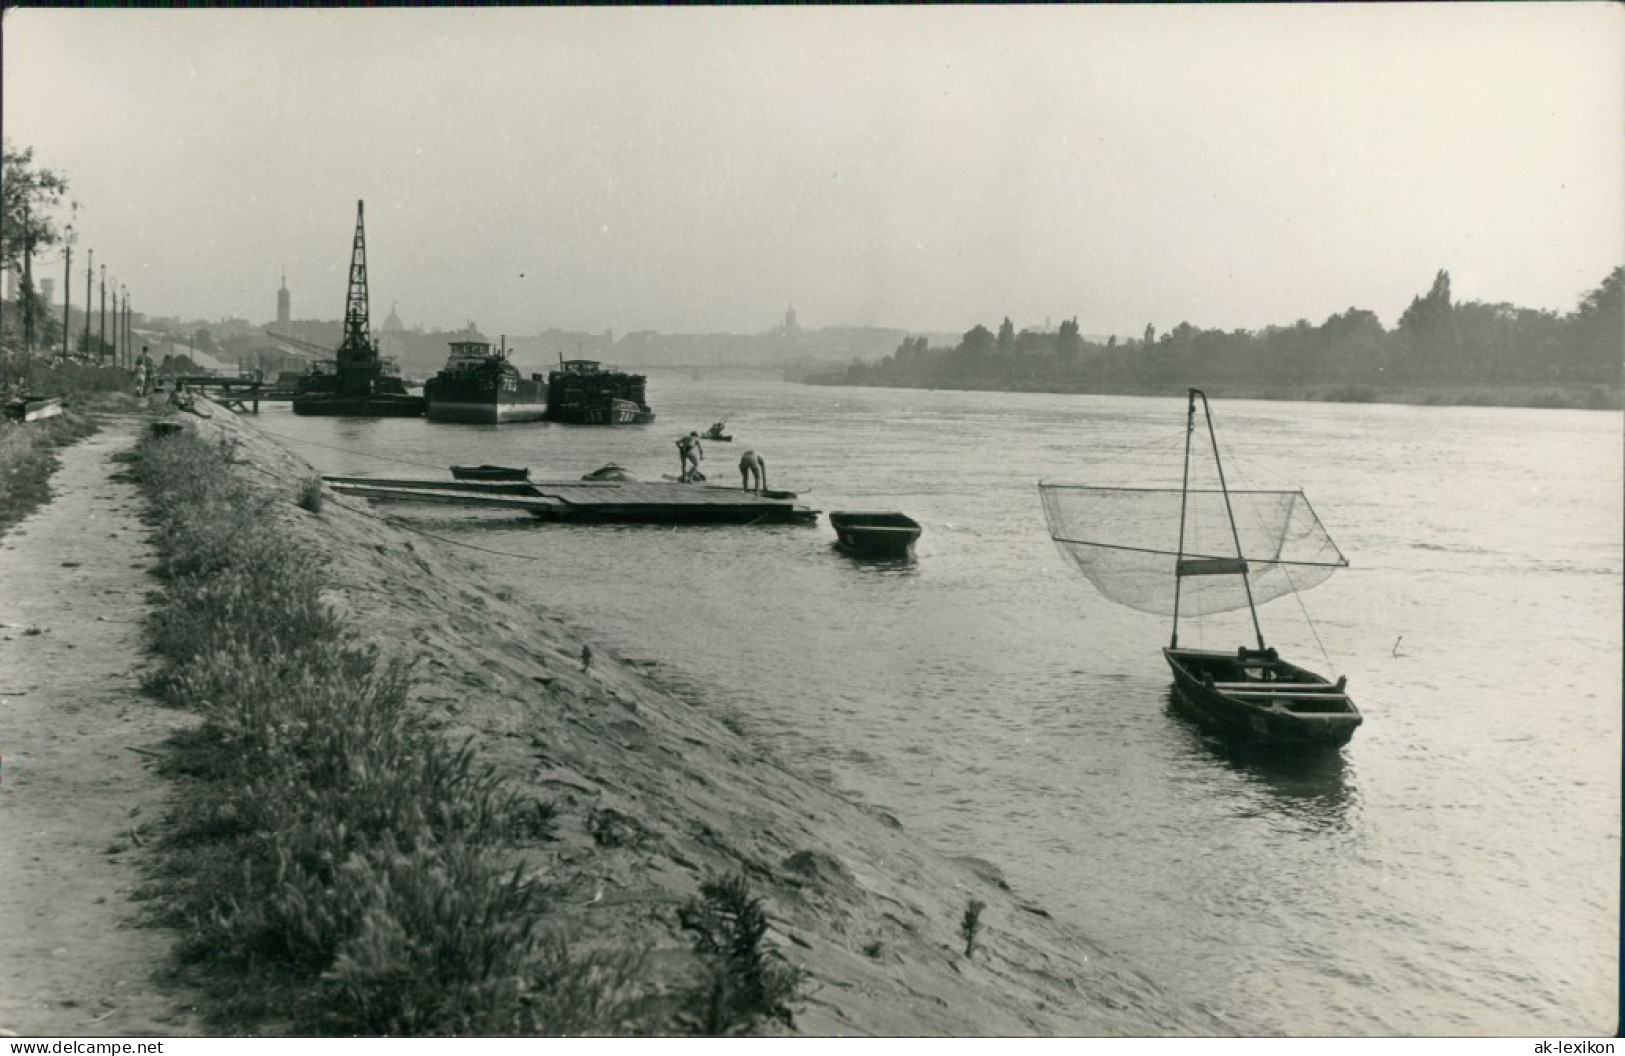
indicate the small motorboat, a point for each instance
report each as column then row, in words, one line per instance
column 490, row 473
column 871, row 534
column 716, row 433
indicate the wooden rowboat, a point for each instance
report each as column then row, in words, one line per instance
column 490, row 473
column 873, row 534
column 1254, row 695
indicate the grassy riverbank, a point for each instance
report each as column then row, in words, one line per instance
column 336, row 866
column 412, row 808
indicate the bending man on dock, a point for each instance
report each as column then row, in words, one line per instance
column 689, row 454
column 752, row 465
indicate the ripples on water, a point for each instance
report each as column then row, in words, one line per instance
column 1454, row 871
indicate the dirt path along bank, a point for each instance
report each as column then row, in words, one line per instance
column 74, row 797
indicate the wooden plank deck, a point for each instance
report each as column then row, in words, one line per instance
column 612, row 501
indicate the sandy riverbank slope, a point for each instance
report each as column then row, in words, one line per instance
column 74, row 798
column 656, row 792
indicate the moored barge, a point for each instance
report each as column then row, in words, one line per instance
column 479, row 384
column 585, row 392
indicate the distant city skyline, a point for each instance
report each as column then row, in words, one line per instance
column 696, row 170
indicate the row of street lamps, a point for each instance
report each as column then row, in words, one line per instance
column 123, row 329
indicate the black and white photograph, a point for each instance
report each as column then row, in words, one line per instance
column 1056, row 521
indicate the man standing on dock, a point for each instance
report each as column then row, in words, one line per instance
column 689, row 454
column 753, row 465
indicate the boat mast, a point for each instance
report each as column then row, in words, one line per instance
column 1184, row 491
column 1235, row 535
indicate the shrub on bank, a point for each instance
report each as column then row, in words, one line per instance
column 334, row 861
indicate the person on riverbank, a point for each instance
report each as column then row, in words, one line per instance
column 753, row 469
column 143, row 372
column 689, row 456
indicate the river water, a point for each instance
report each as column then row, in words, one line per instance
column 1455, row 870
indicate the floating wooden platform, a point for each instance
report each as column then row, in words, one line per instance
column 601, row 501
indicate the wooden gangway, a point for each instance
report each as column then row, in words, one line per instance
column 240, row 393
column 600, row 501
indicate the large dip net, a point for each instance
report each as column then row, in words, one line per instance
column 1126, row 541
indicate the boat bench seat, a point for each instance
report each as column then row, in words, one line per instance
column 1285, row 694
column 1299, row 687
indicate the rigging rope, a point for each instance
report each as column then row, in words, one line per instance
column 1297, row 595
column 398, row 523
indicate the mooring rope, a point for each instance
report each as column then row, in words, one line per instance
column 405, row 527
column 333, row 447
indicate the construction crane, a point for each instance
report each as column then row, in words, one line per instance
column 359, row 385
column 358, row 359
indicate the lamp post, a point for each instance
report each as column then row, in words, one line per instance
column 124, row 328
column 90, row 270
column 28, row 284
column 67, row 284
column 101, row 327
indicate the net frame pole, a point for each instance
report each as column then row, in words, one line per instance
column 1218, row 463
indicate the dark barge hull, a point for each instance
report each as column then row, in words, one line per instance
column 464, row 400
column 611, row 411
column 1262, row 699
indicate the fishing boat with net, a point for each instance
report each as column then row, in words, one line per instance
column 1184, row 552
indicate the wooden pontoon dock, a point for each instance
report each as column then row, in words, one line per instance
column 601, row 501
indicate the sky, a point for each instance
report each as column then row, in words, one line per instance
column 927, row 168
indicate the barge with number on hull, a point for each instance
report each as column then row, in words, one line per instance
column 585, row 392
column 479, row 384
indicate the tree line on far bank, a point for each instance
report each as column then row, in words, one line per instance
column 1349, row 356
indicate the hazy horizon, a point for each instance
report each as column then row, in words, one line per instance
column 698, row 170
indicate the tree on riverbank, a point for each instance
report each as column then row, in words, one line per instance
column 1437, row 342
column 28, row 194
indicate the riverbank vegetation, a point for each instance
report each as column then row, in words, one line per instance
column 28, row 450
column 335, row 867
column 1441, row 352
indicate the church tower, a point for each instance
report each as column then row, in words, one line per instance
column 284, row 305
